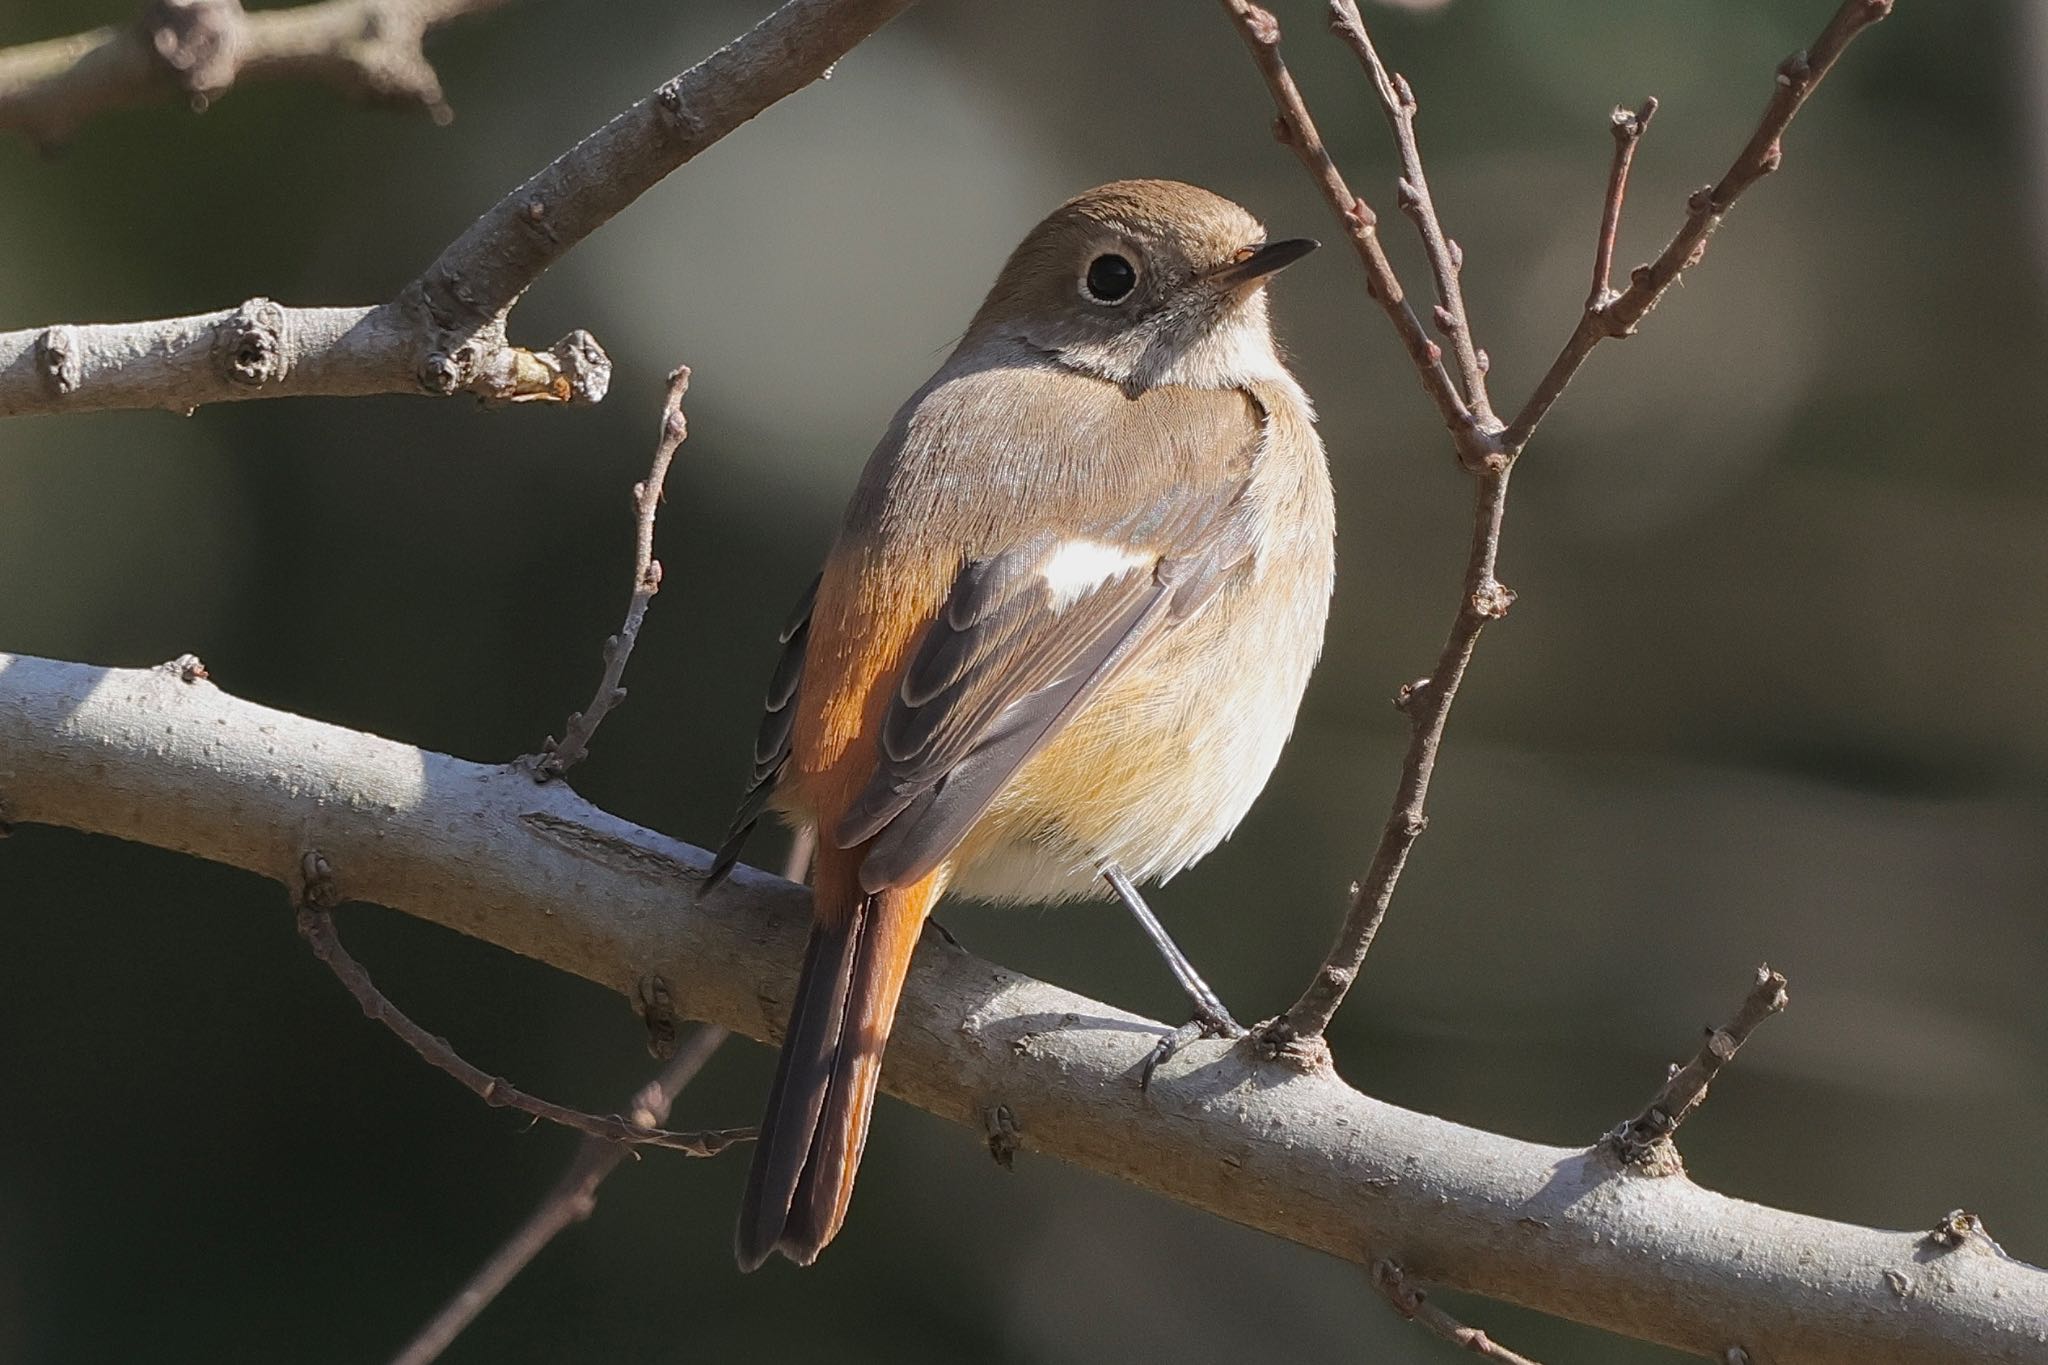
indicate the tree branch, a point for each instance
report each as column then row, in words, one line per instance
column 1485, row 450
column 1293, row 126
column 1685, row 1089
column 557, row 756
column 570, row 1201
column 1799, row 75
column 316, row 926
column 367, row 49
column 444, row 333
column 149, row 756
column 1411, row 1301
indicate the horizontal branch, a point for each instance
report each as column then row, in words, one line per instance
column 444, row 333
column 265, row 350
column 366, row 49
column 163, row 757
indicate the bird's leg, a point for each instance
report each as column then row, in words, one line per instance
column 1211, row 1019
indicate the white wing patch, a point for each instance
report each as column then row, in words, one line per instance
column 1075, row 568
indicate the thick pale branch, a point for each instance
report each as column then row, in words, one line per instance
column 444, row 333
column 366, row 49
column 149, row 756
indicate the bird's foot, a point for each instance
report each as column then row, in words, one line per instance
column 1207, row 1023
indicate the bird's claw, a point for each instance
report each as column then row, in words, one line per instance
column 1207, row 1023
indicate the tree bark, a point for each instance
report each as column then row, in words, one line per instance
column 163, row 757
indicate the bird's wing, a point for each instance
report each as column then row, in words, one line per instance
column 1029, row 632
column 772, row 742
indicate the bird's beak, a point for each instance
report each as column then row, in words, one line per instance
column 1256, row 262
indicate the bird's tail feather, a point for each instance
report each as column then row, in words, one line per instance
column 817, row 1119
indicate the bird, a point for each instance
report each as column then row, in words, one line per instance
column 1057, row 646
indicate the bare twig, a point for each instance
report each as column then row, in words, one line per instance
column 570, row 1201
column 445, row 332
column 1261, row 34
column 1411, row 1301
column 558, row 756
column 145, row 755
column 1628, row 125
column 367, row 49
column 1446, row 259
column 1799, row 75
column 1686, row 1087
column 1487, row 452
column 316, row 926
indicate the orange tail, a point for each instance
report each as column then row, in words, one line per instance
column 817, row 1120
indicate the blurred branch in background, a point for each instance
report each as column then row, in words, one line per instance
column 445, row 332
column 163, row 757
column 1485, row 447
column 367, row 49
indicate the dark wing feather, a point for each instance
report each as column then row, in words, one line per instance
column 771, row 743
column 1005, row 665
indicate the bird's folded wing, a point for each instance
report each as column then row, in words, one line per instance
column 772, row 742
column 1024, row 639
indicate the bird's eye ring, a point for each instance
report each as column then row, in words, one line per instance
column 1110, row 279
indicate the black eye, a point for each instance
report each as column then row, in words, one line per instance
column 1110, row 279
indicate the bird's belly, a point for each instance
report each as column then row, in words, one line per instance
column 1161, row 765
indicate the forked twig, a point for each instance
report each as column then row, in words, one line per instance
column 558, row 756
column 1261, row 34
column 1446, row 259
column 1686, row 1087
column 1484, row 448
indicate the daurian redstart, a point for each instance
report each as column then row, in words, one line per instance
column 1059, row 642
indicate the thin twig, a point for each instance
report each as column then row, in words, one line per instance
column 1487, row 453
column 558, row 756
column 1686, row 1087
column 1446, row 258
column 570, row 1201
column 1411, row 1301
column 200, row 49
column 1629, row 125
column 1799, row 75
column 316, row 926
column 1261, row 34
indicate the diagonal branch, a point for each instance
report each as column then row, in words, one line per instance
column 445, row 332
column 1411, row 1301
column 1685, row 1089
column 1799, row 75
column 367, row 49
column 1295, row 128
column 1446, row 260
column 147, row 755
column 570, row 1201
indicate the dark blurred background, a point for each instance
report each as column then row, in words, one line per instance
column 1772, row 690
